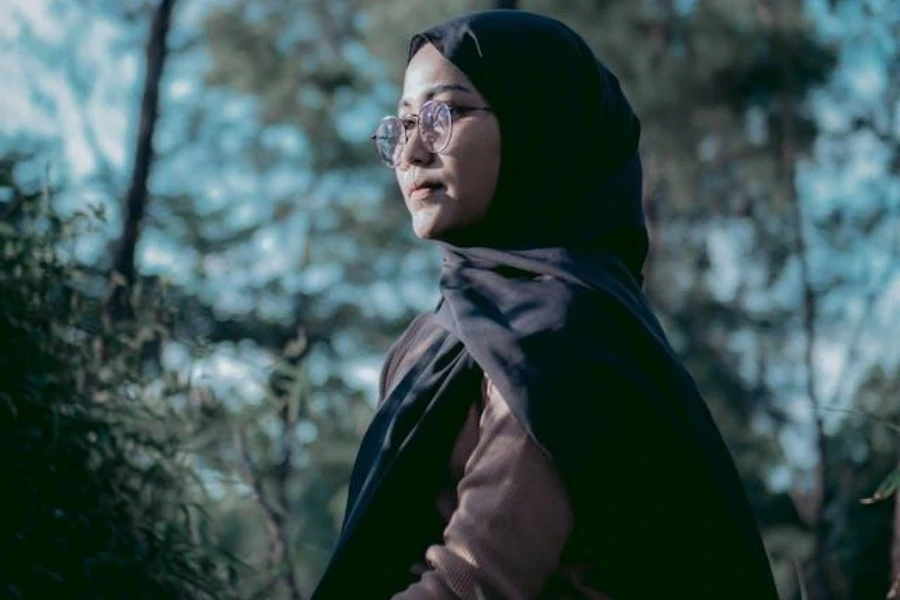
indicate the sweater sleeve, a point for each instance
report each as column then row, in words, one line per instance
column 511, row 522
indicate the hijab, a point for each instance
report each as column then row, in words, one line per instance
column 543, row 296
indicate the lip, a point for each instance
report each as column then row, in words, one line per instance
column 424, row 190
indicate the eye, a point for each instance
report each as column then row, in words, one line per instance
column 408, row 121
column 457, row 111
column 450, row 102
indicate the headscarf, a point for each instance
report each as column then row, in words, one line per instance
column 543, row 296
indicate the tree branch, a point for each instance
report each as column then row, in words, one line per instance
column 136, row 198
column 819, row 499
column 281, row 548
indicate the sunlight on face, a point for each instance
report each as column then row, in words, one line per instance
column 448, row 190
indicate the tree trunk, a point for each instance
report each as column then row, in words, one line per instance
column 809, row 308
column 820, row 586
column 124, row 272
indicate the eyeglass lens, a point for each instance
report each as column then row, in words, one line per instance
column 433, row 128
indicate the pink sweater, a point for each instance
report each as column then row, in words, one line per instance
column 507, row 517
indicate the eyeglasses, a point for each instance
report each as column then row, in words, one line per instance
column 434, row 126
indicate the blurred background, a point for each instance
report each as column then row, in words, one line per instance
column 219, row 152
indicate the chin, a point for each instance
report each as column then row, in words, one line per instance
column 428, row 233
column 429, row 226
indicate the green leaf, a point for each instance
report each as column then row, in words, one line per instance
column 887, row 488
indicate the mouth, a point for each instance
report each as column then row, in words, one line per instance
column 425, row 189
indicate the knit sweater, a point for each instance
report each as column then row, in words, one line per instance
column 507, row 517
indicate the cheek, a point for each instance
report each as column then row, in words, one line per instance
column 479, row 167
column 493, row 161
column 486, row 166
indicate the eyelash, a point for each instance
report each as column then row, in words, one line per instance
column 455, row 111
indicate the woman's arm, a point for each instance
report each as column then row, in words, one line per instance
column 511, row 522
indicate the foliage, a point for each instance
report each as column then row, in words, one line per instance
column 294, row 262
column 100, row 502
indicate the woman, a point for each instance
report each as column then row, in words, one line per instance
column 536, row 437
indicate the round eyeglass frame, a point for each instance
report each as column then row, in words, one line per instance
column 444, row 112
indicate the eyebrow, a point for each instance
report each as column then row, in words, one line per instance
column 438, row 89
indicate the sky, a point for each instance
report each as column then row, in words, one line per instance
column 84, row 98
column 43, row 98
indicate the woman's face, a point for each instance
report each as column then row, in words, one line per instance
column 449, row 190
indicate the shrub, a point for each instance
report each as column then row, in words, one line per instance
column 99, row 499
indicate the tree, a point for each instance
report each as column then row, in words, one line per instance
column 704, row 52
column 103, row 504
column 296, row 264
column 136, row 198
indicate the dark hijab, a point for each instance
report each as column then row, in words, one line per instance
column 544, row 297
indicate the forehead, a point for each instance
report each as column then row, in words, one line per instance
column 429, row 73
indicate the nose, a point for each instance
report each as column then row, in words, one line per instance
column 414, row 151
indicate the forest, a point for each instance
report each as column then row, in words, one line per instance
column 203, row 264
